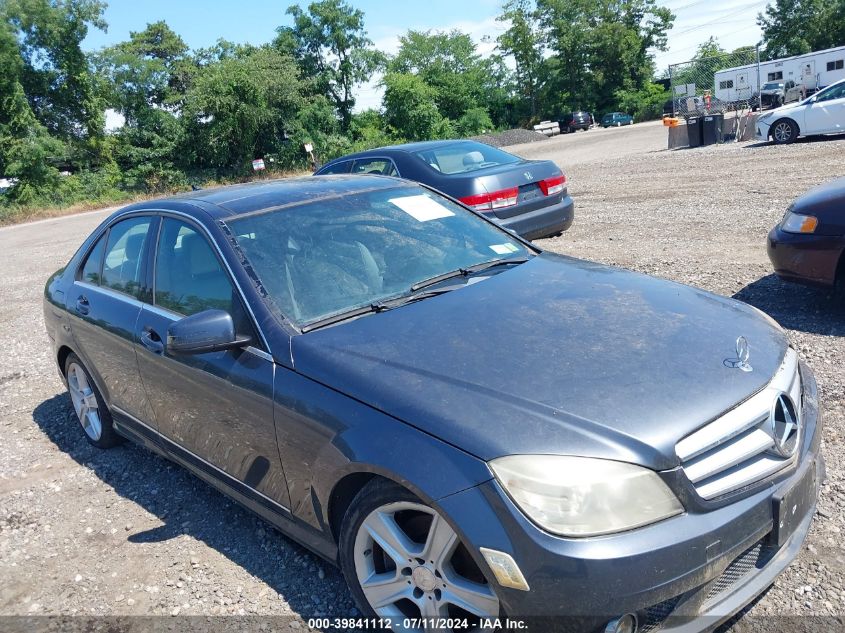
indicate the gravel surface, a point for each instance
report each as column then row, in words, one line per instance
column 123, row 532
column 511, row 137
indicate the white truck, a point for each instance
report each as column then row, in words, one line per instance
column 809, row 72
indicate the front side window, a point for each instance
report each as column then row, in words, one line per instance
column 834, row 92
column 93, row 263
column 188, row 276
column 333, row 255
column 122, row 263
column 464, row 156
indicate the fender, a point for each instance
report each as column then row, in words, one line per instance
column 349, row 437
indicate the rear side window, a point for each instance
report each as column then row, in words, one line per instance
column 380, row 166
column 91, row 269
column 464, row 157
column 338, row 168
column 122, row 264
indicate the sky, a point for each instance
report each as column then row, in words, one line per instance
column 202, row 22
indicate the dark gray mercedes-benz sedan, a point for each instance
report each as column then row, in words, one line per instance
column 469, row 427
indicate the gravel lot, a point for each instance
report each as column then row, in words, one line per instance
column 123, row 532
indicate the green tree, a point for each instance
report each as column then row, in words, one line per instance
column 474, row 121
column 409, row 107
column 795, row 27
column 331, row 45
column 448, row 63
column 601, row 47
column 523, row 40
column 241, row 108
column 50, row 114
column 55, row 74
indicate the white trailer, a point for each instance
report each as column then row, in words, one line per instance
column 810, row 72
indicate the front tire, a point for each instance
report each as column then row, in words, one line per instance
column 91, row 411
column 402, row 559
column 784, row 131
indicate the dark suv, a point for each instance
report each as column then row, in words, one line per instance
column 574, row 121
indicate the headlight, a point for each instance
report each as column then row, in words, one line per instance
column 582, row 496
column 797, row 223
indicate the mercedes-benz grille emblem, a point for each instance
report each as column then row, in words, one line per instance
column 784, row 426
column 742, row 355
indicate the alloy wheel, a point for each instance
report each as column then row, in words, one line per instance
column 84, row 401
column 783, row 132
column 410, row 563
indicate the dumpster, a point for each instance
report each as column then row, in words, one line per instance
column 694, row 130
column 713, row 128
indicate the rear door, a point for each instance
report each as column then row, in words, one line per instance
column 103, row 307
column 216, row 408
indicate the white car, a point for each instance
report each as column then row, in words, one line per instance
column 823, row 113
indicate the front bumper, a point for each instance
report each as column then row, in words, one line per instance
column 541, row 222
column 762, row 130
column 680, row 573
column 804, row 258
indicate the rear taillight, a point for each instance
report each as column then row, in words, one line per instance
column 552, row 186
column 492, row 201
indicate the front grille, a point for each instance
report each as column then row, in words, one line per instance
column 752, row 559
column 737, row 449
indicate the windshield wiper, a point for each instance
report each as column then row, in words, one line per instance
column 342, row 316
column 466, row 272
column 373, row 308
column 413, row 295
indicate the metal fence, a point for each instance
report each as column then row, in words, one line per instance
column 716, row 82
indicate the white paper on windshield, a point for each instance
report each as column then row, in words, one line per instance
column 503, row 249
column 422, row 208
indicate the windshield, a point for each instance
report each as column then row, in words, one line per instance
column 464, row 156
column 772, row 86
column 334, row 255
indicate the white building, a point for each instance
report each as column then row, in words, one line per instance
column 812, row 71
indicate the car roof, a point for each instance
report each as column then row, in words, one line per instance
column 266, row 195
column 405, row 148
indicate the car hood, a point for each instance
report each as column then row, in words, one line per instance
column 555, row 356
column 771, row 114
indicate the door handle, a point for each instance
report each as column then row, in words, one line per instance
column 152, row 341
column 82, row 305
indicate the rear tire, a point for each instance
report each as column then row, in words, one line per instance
column 89, row 407
column 402, row 559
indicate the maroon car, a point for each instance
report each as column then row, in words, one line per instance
column 808, row 245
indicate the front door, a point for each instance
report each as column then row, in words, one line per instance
column 104, row 306
column 826, row 115
column 216, row 408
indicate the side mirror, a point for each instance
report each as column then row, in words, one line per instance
column 206, row 331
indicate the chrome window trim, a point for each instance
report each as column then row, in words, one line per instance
column 167, row 313
column 117, row 294
column 198, row 458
